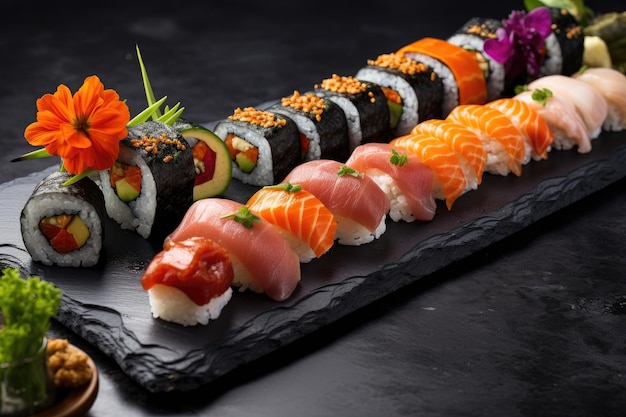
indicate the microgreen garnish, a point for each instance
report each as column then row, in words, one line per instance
column 243, row 216
column 286, row 186
column 398, row 159
column 346, row 170
column 541, row 95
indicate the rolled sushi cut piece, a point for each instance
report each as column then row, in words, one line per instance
column 305, row 222
column 189, row 281
column 322, row 125
column 64, row 225
column 365, row 107
column 263, row 145
column 413, row 90
column 358, row 204
column 405, row 179
column 150, row 186
column 565, row 46
column 471, row 37
column 463, row 79
column 262, row 260
column 210, row 157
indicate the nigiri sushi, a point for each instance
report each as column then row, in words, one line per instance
column 591, row 105
column 358, row 204
column 246, row 238
column 189, row 281
column 406, row 180
column 449, row 180
column 612, row 85
column 534, row 129
column 502, row 140
column 299, row 216
column 468, row 147
column 565, row 123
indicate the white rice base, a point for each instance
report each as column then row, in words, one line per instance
column 263, row 173
column 615, row 120
column 137, row 215
column 553, row 64
column 352, row 233
column 243, row 278
column 173, row 305
column 38, row 246
column 399, row 209
column 497, row 157
column 300, row 247
column 496, row 76
column 410, row 106
column 450, row 86
column 306, row 127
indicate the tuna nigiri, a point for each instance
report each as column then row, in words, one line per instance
column 406, row 180
column 566, row 125
column 612, row 85
column 299, row 216
column 449, row 179
column 534, row 129
column 358, row 204
column 246, row 238
column 189, row 281
column 502, row 140
column 590, row 104
column 466, row 144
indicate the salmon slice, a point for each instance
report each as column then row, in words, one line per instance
column 450, row 181
column 534, row 129
column 406, row 180
column 275, row 272
column 465, row 143
column 502, row 140
column 302, row 218
column 358, row 204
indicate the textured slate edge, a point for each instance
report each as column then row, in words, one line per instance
column 145, row 364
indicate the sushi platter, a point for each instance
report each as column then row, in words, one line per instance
column 99, row 231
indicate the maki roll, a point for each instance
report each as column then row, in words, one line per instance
column 364, row 105
column 263, row 146
column 413, row 90
column 210, row 158
column 150, row 186
column 64, row 224
column 463, row 79
column 471, row 36
column 564, row 47
column 322, row 125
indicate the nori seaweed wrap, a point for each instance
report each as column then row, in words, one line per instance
column 565, row 46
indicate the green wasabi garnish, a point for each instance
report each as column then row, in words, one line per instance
column 398, row 159
column 243, row 216
column 346, row 170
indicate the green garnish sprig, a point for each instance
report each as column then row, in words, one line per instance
column 398, row 159
column 243, row 216
column 346, row 170
column 541, row 95
column 27, row 306
column 286, row 186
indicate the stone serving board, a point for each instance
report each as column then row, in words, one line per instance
column 107, row 306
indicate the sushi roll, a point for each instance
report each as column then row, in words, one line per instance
column 304, row 221
column 264, row 146
column 150, row 186
column 471, row 37
column 407, row 182
column 413, row 90
column 211, row 159
column 322, row 125
column 64, row 225
column 364, row 105
column 358, row 204
column 262, row 260
column 565, row 46
column 189, row 281
column 463, row 79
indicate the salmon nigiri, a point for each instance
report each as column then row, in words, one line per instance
column 358, row 204
column 302, row 218
column 466, row 144
column 450, row 181
column 246, row 238
column 534, row 129
column 406, row 180
column 503, row 141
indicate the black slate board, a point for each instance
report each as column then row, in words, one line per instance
column 106, row 305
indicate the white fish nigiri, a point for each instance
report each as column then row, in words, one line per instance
column 612, row 85
column 591, row 105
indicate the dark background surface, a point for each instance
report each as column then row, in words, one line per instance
column 532, row 326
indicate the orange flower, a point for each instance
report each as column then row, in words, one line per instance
column 84, row 129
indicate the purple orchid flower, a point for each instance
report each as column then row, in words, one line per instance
column 520, row 42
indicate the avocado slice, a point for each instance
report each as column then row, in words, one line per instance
column 395, row 111
column 244, row 164
column 125, row 191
